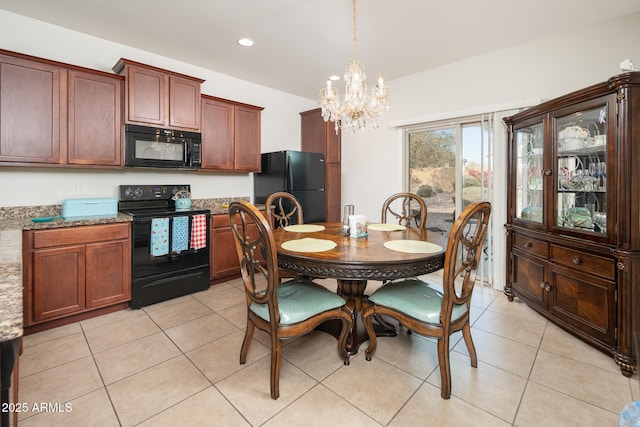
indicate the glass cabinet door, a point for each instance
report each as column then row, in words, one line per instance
column 582, row 140
column 529, row 172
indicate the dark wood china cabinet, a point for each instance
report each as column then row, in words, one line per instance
column 573, row 219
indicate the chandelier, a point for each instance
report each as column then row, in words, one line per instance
column 359, row 108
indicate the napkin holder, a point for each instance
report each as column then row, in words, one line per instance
column 358, row 226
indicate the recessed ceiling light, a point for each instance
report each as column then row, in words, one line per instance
column 245, row 42
column 334, row 78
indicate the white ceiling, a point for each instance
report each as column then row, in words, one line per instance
column 299, row 43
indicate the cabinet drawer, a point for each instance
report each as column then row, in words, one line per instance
column 531, row 246
column 79, row 235
column 219, row 221
column 589, row 263
column 222, row 220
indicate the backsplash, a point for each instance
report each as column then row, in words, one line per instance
column 217, row 206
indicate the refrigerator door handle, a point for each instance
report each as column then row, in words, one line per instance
column 289, row 183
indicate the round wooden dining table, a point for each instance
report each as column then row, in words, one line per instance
column 354, row 261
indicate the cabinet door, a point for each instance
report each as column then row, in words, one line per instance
column 334, row 148
column 145, row 96
column 58, row 282
column 313, row 132
column 184, row 103
column 95, row 119
column 32, row 111
column 584, row 302
column 529, row 278
column 217, row 135
column 529, row 171
column 247, row 135
column 108, row 273
column 333, row 208
column 585, row 175
column 224, row 259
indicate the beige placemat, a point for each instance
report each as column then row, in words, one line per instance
column 304, row 228
column 412, row 246
column 309, row 244
column 387, row 227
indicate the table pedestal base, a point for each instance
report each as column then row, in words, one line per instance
column 353, row 292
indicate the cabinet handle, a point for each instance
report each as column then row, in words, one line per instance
column 547, row 287
column 576, row 260
column 548, row 172
column 528, row 245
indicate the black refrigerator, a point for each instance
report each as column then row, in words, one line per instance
column 295, row 172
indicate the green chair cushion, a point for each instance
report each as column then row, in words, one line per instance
column 416, row 299
column 299, row 300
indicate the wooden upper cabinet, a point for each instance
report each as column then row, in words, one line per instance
column 160, row 98
column 95, row 119
column 53, row 114
column 247, row 130
column 184, row 103
column 319, row 136
column 32, row 111
column 218, row 134
column 230, row 135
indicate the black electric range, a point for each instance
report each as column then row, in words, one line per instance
column 170, row 247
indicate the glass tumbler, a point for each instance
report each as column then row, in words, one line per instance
column 348, row 210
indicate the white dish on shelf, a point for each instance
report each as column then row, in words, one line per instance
column 572, row 144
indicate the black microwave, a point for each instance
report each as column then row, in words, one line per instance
column 149, row 147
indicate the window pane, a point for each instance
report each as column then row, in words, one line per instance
column 432, row 164
column 474, row 169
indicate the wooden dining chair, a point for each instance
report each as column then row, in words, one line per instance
column 406, row 214
column 437, row 310
column 282, row 309
column 283, row 209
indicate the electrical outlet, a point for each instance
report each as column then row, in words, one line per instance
column 80, row 189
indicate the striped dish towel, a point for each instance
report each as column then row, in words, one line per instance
column 199, row 231
column 180, row 234
column 159, row 236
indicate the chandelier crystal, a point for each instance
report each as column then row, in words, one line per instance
column 359, row 108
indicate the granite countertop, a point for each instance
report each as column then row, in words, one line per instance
column 14, row 220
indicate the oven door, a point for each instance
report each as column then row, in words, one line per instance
column 149, row 261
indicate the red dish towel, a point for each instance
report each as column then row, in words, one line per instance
column 199, row 231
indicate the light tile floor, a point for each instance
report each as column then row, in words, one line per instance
column 176, row 363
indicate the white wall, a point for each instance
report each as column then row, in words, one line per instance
column 372, row 159
column 36, row 186
column 546, row 68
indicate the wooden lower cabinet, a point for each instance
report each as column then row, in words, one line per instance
column 224, row 258
column 69, row 271
column 574, row 287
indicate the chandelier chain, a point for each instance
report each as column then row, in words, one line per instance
column 354, row 30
